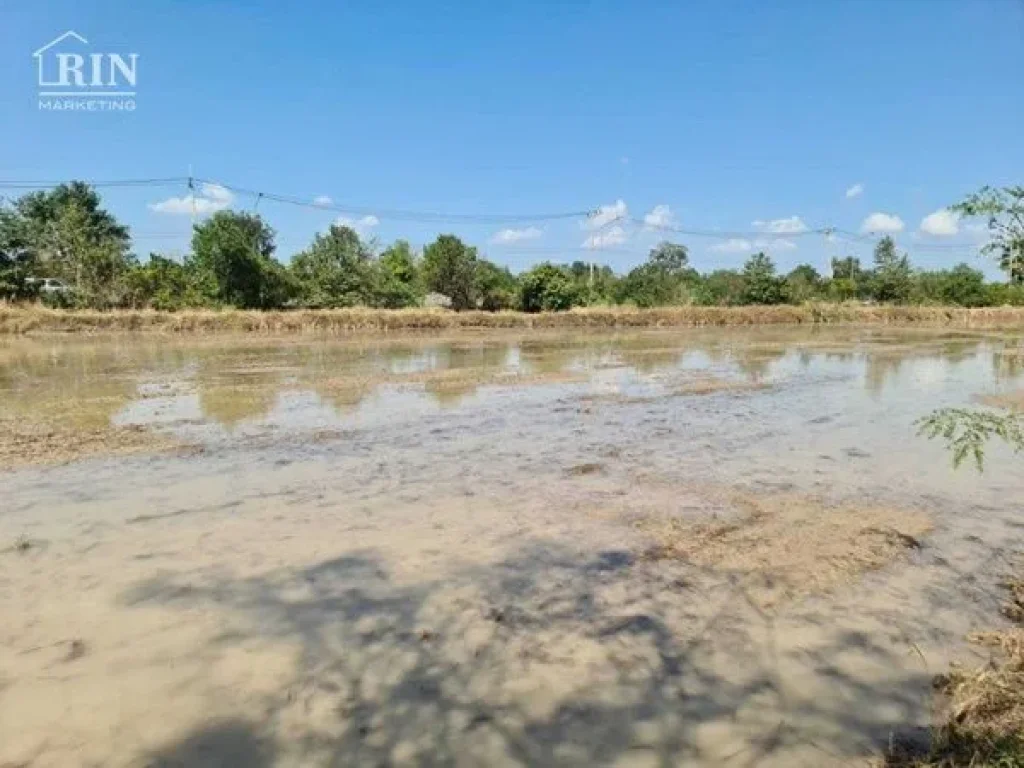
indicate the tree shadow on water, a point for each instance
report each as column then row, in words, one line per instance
column 544, row 658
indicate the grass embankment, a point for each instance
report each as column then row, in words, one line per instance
column 36, row 319
column 985, row 724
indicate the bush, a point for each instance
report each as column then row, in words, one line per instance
column 547, row 288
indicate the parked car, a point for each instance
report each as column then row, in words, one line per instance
column 48, row 285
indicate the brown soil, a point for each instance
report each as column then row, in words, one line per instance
column 705, row 384
column 1013, row 401
column 33, row 443
column 447, row 380
column 791, row 545
column 709, row 385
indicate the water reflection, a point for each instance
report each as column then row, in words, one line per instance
column 236, row 381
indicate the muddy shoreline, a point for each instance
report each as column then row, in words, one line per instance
column 634, row 548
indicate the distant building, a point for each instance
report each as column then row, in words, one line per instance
column 434, row 300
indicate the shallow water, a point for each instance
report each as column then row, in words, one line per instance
column 423, row 550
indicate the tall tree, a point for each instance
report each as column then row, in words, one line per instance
column 495, row 286
column 1004, row 211
column 803, row 283
column 761, row 285
column 671, row 258
column 233, row 255
column 893, row 278
column 846, row 269
column 65, row 232
column 336, row 270
column 398, row 281
column 659, row 280
column 449, row 268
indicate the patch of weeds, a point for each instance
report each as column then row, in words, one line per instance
column 587, row 468
column 985, row 725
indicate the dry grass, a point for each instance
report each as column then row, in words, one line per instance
column 441, row 381
column 26, row 443
column 985, row 723
column 709, row 385
column 789, row 545
column 29, row 319
column 703, row 384
column 1013, row 401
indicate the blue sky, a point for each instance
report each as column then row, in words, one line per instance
column 705, row 116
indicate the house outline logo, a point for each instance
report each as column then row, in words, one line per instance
column 84, row 80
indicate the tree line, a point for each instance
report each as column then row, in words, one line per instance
column 66, row 233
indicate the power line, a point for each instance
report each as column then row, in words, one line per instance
column 756, row 236
column 309, row 202
column 157, row 182
column 727, row 235
column 399, row 214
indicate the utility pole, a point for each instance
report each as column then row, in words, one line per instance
column 192, row 195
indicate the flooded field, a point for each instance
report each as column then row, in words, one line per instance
column 685, row 547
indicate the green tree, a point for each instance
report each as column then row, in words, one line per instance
column 335, row 271
column 66, row 233
column 397, row 281
column 670, row 258
column 547, row 288
column 597, row 283
column 495, row 286
column 803, row 283
column 233, row 257
column 661, row 280
column 761, row 285
column 16, row 259
column 449, row 268
column 848, row 279
column 846, row 269
column 723, row 287
column 1004, row 211
column 162, row 283
column 964, row 286
column 893, row 278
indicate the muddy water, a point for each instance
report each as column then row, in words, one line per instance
column 427, row 551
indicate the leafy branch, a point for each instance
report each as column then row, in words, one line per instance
column 967, row 431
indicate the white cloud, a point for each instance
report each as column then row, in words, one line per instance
column 212, row 198
column 322, row 200
column 611, row 237
column 855, row 191
column 779, row 244
column 606, row 214
column 733, row 245
column 515, row 235
column 176, row 205
column 742, row 245
column 793, row 225
column 361, row 226
column 941, row 223
column 660, row 216
column 217, row 193
column 881, row 222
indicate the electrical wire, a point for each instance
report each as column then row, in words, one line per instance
column 399, row 214
column 834, row 234
column 157, row 182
